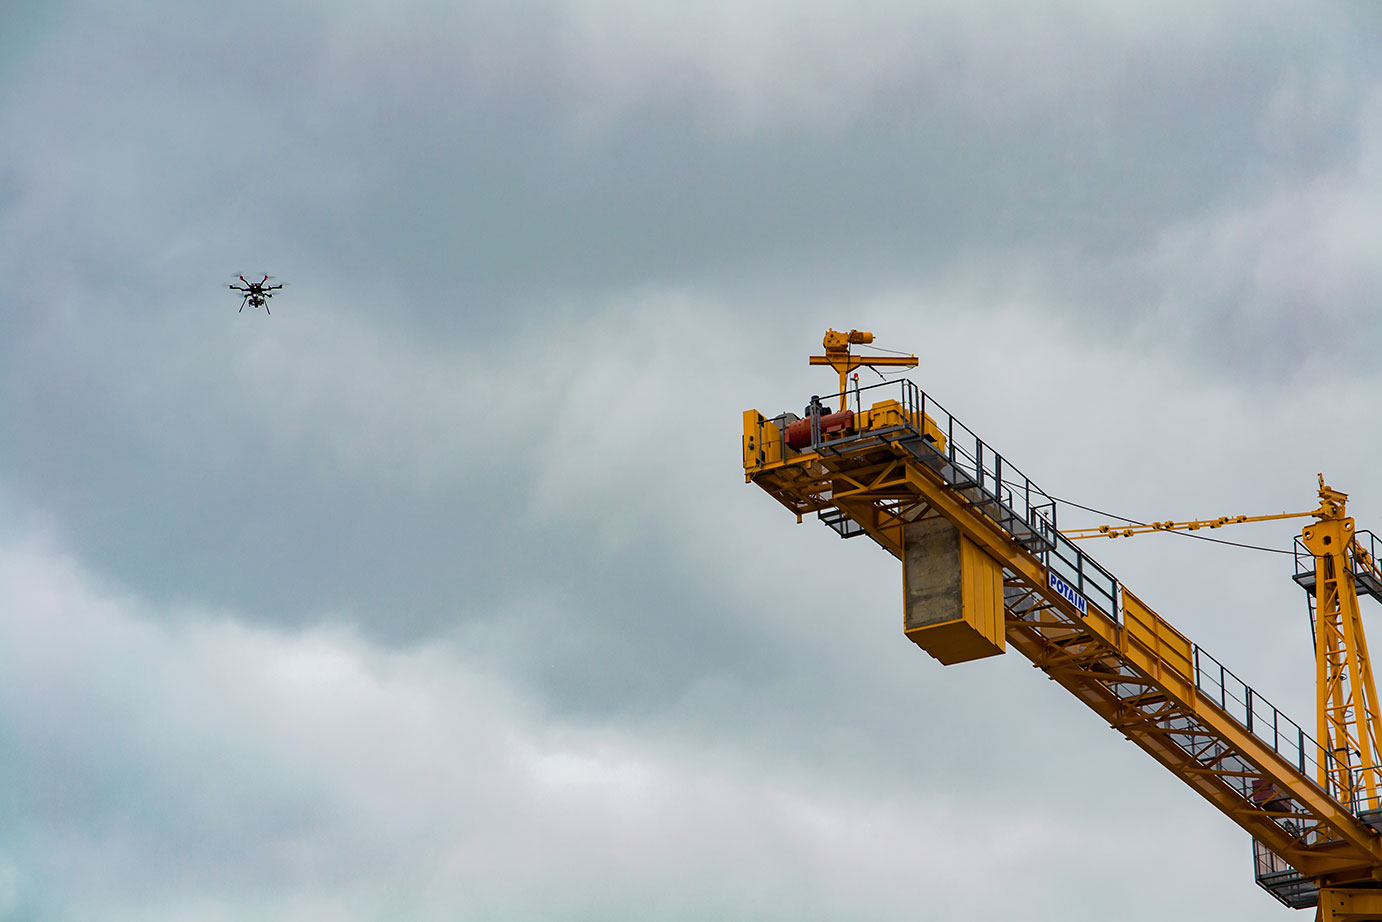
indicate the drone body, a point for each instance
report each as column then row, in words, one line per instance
column 255, row 294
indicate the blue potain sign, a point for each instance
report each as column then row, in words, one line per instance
column 1066, row 592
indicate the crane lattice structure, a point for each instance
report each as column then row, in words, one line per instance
column 1347, row 715
column 986, row 567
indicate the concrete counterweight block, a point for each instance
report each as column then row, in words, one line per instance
column 952, row 593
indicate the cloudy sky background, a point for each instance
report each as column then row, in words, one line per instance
column 438, row 594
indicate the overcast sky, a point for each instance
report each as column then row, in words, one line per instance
column 438, row 594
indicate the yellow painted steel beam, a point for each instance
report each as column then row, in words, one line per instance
column 1346, row 703
column 1349, row 905
column 1331, row 507
column 1127, row 531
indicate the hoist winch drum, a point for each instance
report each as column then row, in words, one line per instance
column 798, row 434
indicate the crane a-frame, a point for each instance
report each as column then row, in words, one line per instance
column 986, row 567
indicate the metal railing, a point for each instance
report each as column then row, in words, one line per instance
column 1263, row 720
column 993, row 485
column 1276, row 875
column 1366, row 573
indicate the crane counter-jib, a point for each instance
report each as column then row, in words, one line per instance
column 985, row 567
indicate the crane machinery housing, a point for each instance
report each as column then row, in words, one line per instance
column 985, row 567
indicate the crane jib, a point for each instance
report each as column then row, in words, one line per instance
column 1066, row 592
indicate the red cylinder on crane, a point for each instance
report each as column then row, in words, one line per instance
column 798, row 434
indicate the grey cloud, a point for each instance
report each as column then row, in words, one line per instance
column 273, row 771
column 472, row 191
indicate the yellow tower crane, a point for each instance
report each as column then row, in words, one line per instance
column 985, row 567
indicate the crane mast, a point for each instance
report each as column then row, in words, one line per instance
column 985, row 568
column 1346, row 695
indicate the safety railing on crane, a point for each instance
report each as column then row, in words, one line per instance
column 1365, row 572
column 993, row 485
column 1276, row 875
column 1002, row 492
column 1270, row 725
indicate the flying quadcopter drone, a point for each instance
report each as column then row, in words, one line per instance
column 255, row 294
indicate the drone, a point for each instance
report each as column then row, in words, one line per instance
column 255, row 294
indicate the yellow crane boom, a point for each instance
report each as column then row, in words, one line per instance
column 1127, row 531
column 985, row 568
